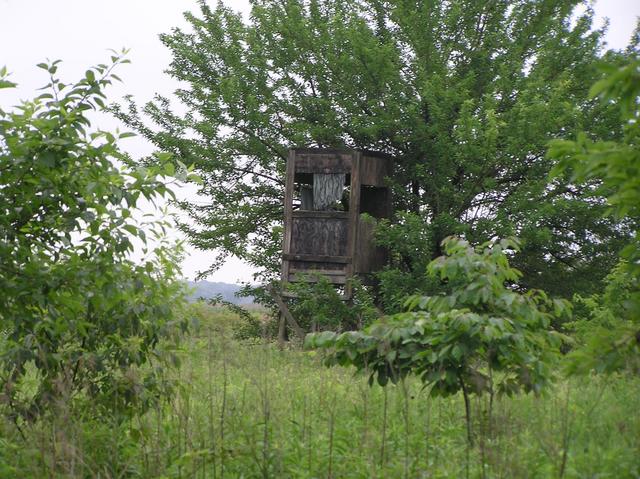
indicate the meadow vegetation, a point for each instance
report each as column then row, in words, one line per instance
column 247, row 409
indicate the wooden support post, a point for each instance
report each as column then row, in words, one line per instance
column 288, row 212
column 284, row 311
column 354, row 219
column 281, row 330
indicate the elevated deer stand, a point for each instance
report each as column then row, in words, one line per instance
column 324, row 233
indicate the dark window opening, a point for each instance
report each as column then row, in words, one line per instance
column 374, row 201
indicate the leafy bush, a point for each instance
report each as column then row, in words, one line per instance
column 247, row 325
column 411, row 245
column 455, row 342
column 251, row 327
column 78, row 315
column 603, row 329
column 614, row 341
column 320, row 306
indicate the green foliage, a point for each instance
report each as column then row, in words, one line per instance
column 320, row 306
column 248, row 325
column 463, row 94
column 614, row 165
column 408, row 240
column 604, row 330
column 256, row 328
column 614, row 341
column 78, row 315
column 456, row 342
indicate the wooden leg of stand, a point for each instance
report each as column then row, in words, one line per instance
column 286, row 313
column 281, row 330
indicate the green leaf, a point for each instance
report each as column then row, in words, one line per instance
column 7, row 84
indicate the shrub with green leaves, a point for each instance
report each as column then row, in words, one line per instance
column 614, row 167
column 409, row 239
column 483, row 336
column 319, row 305
column 80, row 319
column 603, row 330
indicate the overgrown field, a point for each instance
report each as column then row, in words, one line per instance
column 251, row 410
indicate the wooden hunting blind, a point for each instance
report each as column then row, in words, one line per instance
column 326, row 193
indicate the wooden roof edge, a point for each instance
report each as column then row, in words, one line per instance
column 311, row 150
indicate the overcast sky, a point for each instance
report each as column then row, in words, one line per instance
column 81, row 31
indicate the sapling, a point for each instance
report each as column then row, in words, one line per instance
column 456, row 342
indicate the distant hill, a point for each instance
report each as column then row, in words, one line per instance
column 209, row 289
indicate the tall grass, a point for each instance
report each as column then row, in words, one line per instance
column 252, row 410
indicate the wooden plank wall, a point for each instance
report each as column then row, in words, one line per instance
column 372, row 258
column 319, row 236
column 323, row 161
column 374, row 169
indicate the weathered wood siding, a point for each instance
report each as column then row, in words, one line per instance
column 371, row 258
column 319, row 236
column 323, row 161
column 374, row 169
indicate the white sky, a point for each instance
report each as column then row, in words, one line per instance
column 81, row 31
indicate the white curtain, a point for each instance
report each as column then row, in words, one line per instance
column 327, row 190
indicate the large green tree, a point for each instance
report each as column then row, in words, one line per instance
column 463, row 94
